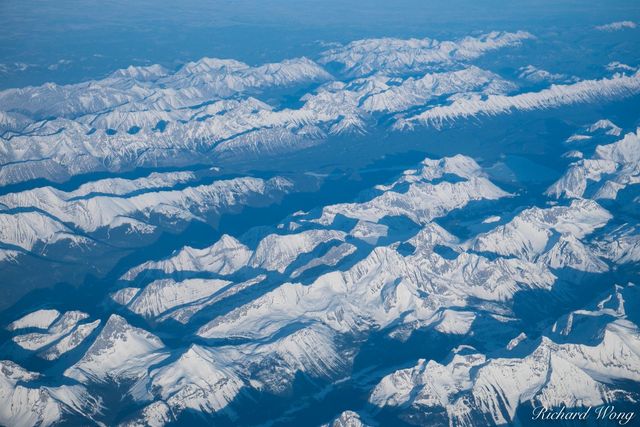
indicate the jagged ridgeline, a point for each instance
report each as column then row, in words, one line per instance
column 386, row 232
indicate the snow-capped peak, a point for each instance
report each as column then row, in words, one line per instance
column 120, row 352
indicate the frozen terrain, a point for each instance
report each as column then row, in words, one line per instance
column 420, row 221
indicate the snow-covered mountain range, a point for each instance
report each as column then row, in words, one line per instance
column 211, row 109
column 169, row 263
column 366, row 279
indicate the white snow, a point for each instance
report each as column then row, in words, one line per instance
column 32, row 228
column 22, row 405
column 124, row 296
column 491, row 219
column 60, row 328
column 553, row 375
column 71, row 341
column 423, row 200
column 612, row 167
column 555, row 96
column 195, row 381
column 276, row 252
column 38, row 319
column 226, row 256
column 527, row 234
column 346, row 419
column 163, row 295
column 367, row 56
column 120, row 352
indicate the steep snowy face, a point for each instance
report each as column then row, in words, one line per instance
column 35, row 219
column 72, row 340
column 121, row 352
column 528, row 235
column 196, row 381
column 621, row 246
column 352, row 106
column 429, row 383
column 63, row 335
column 420, row 91
column 556, row 96
column 38, row 319
column 473, row 386
column 103, row 187
column 346, row 419
column 311, row 351
column 208, row 380
column 569, row 252
column 12, row 122
column 553, row 375
column 91, row 213
column 592, row 322
column 426, row 196
column 24, row 405
column 433, row 169
column 330, row 258
column 226, row 256
column 612, row 168
column 185, row 298
column 27, row 231
column 163, row 295
column 276, row 252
